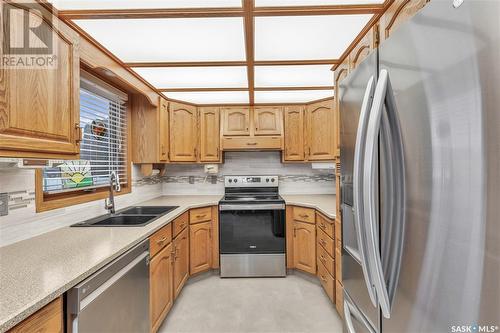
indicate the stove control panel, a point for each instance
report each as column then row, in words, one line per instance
column 251, row 181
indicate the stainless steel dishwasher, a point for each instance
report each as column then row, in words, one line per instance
column 114, row 299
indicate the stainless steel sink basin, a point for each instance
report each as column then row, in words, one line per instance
column 147, row 210
column 129, row 217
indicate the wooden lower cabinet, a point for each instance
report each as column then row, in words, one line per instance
column 327, row 281
column 200, row 245
column 304, row 246
column 181, row 260
column 49, row 319
column 339, row 298
column 161, row 286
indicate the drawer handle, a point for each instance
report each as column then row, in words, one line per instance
column 323, row 225
column 323, row 278
column 162, row 240
column 201, row 215
column 322, row 241
column 304, row 215
column 251, row 143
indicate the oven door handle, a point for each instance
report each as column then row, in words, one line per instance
column 225, row 207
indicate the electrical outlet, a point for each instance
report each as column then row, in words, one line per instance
column 213, row 179
column 191, row 179
column 4, row 204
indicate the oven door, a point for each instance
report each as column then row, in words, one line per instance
column 252, row 228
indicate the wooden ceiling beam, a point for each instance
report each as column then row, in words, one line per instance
column 296, row 62
column 88, row 14
column 248, row 7
column 245, row 89
column 294, row 88
column 319, row 10
column 232, row 63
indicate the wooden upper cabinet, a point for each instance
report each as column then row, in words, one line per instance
column 364, row 47
column 235, row 121
column 268, row 120
column 161, row 286
column 183, row 133
column 320, row 129
column 39, row 107
column 163, row 124
column 210, row 134
column 340, row 73
column 304, row 246
column 294, row 133
column 200, row 236
column 398, row 12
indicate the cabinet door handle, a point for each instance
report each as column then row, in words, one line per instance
column 210, row 233
column 79, row 134
column 161, row 240
column 251, row 143
column 294, row 232
column 201, row 215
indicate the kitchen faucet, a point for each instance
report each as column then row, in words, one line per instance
column 114, row 185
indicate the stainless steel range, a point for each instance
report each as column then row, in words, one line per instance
column 252, row 227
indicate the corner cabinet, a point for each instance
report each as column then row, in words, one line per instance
column 39, row 108
column 163, row 124
column 294, row 133
column 209, row 119
column 320, row 131
column 200, row 253
column 183, row 133
column 398, row 12
column 304, row 246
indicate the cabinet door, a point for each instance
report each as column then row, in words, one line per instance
column 321, row 138
column 340, row 73
column 363, row 48
column 161, row 296
column 304, row 246
column 236, row 121
column 181, row 261
column 294, row 133
column 397, row 13
column 164, row 138
column 267, row 120
column 49, row 319
column 200, row 253
column 183, row 133
column 39, row 107
column 209, row 135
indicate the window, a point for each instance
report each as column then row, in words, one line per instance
column 103, row 149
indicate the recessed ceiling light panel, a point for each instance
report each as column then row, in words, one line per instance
column 142, row 4
column 211, row 97
column 293, row 76
column 291, row 96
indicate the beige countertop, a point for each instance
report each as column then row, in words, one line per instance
column 36, row 271
column 325, row 203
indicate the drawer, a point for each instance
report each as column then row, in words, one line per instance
column 251, row 143
column 325, row 259
column 198, row 215
column 327, row 281
column 325, row 224
column 303, row 214
column 327, row 243
column 338, row 229
column 160, row 239
column 180, row 223
column 338, row 264
column 339, row 298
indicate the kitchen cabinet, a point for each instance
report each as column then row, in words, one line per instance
column 327, row 282
column 39, row 107
column 48, row 319
column 197, row 215
column 294, row 133
column 183, row 133
column 235, row 121
column 181, row 260
column 340, row 73
column 209, row 119
column 398, row 12
column 150, row 127
column 304, row 246
column 268, row 120
column 364, row 47
column 320, row 131
column 200, row 254
column 161, row 286
column 339, row 298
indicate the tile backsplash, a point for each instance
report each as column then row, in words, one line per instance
column 23, row 222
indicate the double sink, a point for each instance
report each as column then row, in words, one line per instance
column 136, row 216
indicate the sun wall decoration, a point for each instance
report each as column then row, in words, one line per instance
column 76, row 174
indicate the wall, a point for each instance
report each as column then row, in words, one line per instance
column 295, row 178
column 23, row 222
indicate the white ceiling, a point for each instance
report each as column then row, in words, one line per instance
column 214, row 39
column 211, row 97
column 142, row 4
column 179, row 39
column 195, row 77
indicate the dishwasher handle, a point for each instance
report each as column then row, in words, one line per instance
column 85, row 292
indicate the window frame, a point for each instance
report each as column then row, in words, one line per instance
column 45, row 202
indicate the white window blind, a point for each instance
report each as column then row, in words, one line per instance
column 103, row 119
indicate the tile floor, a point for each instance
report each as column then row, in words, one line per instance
column 296, row 303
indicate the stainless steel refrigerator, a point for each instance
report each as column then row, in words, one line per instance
column 420, row 185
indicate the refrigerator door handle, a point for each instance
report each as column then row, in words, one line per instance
column 350, row 311
column 392, row 140
column 358, row 206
